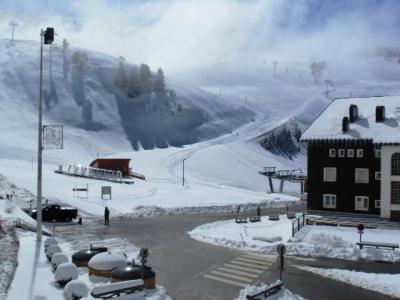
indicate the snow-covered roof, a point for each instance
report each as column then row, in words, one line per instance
column 328, row 126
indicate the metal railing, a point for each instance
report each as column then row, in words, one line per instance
column 298, row 223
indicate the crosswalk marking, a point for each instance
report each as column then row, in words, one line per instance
column 247, row 264
column 260, row 258
column 244, row 269
column 263, row 256
column 235, row 277
column 239, row 272
column 261, row 263
column 240, row 284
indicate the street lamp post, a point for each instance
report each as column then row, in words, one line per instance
column 183, row 172
column 46, row 37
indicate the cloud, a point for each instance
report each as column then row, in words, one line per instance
column 180, row 35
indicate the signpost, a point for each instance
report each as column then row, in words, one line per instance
column 46, row 37
column 281, row 249
column 52, row 137
column 360, row 228
column 106, row 190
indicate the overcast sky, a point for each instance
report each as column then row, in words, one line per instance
column 191, row 33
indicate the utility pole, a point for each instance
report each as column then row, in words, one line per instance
column 275, row 63
column 13, row 25
column 46, row 37
column 183, row 172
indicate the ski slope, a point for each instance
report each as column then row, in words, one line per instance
column 220, row 172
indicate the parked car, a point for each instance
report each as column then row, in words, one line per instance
column 56, row 212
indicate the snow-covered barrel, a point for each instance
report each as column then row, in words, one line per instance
column 51, row 250
column 132, row 272
column 103, row 263
column 57, row 259
column 49, row 241
column 65, row 273
column 76, row 289
column 81, row 258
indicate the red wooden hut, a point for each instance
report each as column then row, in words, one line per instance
column 115, row 164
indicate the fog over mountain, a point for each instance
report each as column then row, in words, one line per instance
column 182, row 35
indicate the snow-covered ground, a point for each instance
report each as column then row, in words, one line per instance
column 319, row 241
column 387, row 284
column 40, row 280
column 283, row 294
column 245, row 236
column 340, row 242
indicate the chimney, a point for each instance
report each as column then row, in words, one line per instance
column 380, row 114
column 353, row 113
column 345, row 124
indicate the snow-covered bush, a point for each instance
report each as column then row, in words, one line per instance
column 51, row 250
column 76, row 289
column 65, row 273
column 49, row 241
column 57, row 259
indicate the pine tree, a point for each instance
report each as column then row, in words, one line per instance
column 159, row 83
column 79, row 61
column 121, row 79
column 134, row 88
column 65, row 59
column 144, row 76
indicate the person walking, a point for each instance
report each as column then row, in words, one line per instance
column 106, row 217
column 258, row 211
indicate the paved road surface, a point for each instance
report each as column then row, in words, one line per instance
column 189, row 269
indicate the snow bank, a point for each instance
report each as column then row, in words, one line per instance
column 340, row 242
column 283, row 294
column 247, row 236
column 319, row 241
column 387, row 284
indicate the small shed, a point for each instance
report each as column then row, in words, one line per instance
column 114, row 164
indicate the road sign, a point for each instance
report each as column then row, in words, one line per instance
column 52, row 137
column 105, row 190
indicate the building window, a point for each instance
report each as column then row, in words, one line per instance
column 360, row 152
column 395, row 192
column 395, row 215
column 329, row 201
column 362, row 175
column 341, row 153
column 332, row 152
column 377, row 203
column 378, row 175
column 350, row 153
column 377, row 153
column 361, row 203
column 330, row 174
column 396, row 164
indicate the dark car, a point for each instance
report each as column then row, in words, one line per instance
column 56, row 212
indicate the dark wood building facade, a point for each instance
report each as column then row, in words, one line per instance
column 353, row 160
column 339, row 171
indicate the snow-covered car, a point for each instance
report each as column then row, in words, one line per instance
column 56, row 212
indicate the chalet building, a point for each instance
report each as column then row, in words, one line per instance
column 354, row 157
column 114, row 164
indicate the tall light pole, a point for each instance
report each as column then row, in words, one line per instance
column 13, row 25
column 183, row 172
column 46, row 37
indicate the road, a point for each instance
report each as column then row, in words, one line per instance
column 189, row 269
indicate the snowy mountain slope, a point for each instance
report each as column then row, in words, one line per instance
column 219, row 172
column 92, row 107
